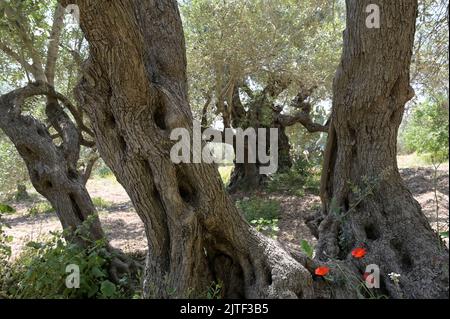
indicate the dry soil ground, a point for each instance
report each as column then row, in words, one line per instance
column 126, row 231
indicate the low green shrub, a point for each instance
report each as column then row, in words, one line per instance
column 40, row 208
column 263, row 214
column 255, row 208
column 268, row 227
column 102, row 171
column 6, row 209
column 41, row 271
column 303, row 176
column 100, row 203
column 5, row 254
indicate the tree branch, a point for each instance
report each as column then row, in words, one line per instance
column 52, row 50
column 15, row 56
column 94, row 157
column 303, row 117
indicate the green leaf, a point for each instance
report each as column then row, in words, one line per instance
column 97, row 272
column 108, row 289
column 444, row 234
column 92, row 291
column 6, row 208
column 34, row 245
column 307, row 249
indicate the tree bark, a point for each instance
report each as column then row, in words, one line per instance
column 135, row 90
column 364, row 199
column 52, row 169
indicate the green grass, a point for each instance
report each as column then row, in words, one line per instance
column 255, row 208
column 413, row 161
column 262, row 214
column 294, row 184
column 101, row 204
column 40, row 208
column 6, row 209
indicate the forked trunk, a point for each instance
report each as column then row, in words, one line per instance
column 52, row 169
column 135, row 91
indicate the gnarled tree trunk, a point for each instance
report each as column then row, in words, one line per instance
column 52, row 169
column 364, row 198
column 134, row 88
column 263, row 113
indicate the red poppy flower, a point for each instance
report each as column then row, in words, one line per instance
column 359, row 252
column 322, row 271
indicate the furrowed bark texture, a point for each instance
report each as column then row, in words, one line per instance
column 135, row 91
column 52, row 169
column 365, row 200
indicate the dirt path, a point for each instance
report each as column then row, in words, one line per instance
column 418, row 180
column 126, row 231
column 119, row 219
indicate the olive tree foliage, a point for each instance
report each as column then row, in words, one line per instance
column 256, row 40
column 429, row 68
column 262, row 64
column 12, row 168
column 427, row 130
column 25, row 37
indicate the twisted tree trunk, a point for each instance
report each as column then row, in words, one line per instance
column 52, row 169
column 364, row 198
column 135, row 91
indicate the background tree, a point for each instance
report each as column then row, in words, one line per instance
column 427, row 134
column 429, row 69
column 249, row 59
column 13, row 171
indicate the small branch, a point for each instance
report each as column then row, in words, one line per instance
column 37, row 66
column 52, row 50
column 204, row 120
column 89, row 166
column 75, row 55
column 304, row 119
column 15, row 56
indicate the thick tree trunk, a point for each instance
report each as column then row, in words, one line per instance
column 365, row 200
column 22, row 193
column 134, row 89
column 247, row 176
column 52, row 169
